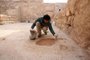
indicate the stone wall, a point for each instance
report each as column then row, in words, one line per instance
column 25, row 10
column 28, row 10
column 75, row 21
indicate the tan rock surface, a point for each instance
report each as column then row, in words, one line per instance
column 75, row 20
column 16, row 45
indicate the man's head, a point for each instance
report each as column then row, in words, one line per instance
column 46, row 18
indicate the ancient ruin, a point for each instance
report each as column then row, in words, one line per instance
column 71, row 22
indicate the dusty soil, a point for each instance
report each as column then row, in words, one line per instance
column 46, row 41
column 16, row 45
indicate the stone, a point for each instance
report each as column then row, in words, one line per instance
column 76, row 21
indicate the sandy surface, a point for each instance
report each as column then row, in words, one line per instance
column 16, row 45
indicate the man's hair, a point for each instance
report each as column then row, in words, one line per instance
column 47, row 17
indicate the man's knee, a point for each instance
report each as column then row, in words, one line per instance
column 45, row 28
column 38, row 26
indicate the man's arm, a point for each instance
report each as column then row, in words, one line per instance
column 33, row 25
column 51, row 29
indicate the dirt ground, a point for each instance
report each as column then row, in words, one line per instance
column 16, row 45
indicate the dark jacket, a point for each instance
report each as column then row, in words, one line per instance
column 43, row 24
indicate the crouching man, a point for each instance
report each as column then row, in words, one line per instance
column 43, row 23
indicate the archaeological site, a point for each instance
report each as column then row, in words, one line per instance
column 68, row 29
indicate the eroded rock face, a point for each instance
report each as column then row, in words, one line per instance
column 75, row 20
column 25, row 10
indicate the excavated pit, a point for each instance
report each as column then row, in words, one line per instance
column 46, row 41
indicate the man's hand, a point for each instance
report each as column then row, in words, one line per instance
column 55, row 35
column 31, row 29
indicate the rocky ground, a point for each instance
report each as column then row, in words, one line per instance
column 16, row 45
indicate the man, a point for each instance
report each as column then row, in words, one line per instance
column 43, row 23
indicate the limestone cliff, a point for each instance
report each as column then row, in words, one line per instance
column 75, row 21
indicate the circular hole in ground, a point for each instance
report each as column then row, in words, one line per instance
column 46, row 41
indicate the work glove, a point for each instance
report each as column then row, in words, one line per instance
column 55, row 36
